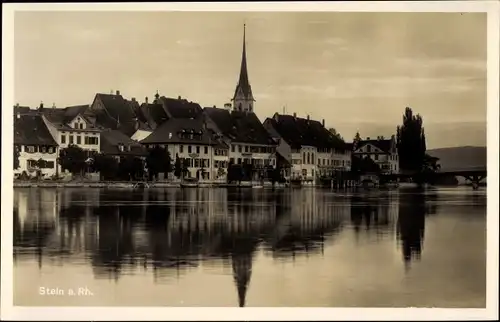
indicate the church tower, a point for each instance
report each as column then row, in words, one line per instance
column 243, row 99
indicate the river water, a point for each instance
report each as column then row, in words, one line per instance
column 250, row 247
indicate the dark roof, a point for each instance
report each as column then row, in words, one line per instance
column 23, row 109
column 155, row 114
column 382, row 144
column 171, row 131
column 119, row 114
column 30, row 129
column 180, row 108
column 240, row 126
column 112, row 139
column 56, row 116
column 72, row 111
column 298, row 132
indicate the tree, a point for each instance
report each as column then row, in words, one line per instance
column 356, row 140
column 177, row 167
column 410, row 140
column 336, row 134
column 130, row 167
column 73, row 159
column 185, row 168
column 360, row 166
column 234, row 172
column 106, row 165
column 16, row 157
column 158, row 160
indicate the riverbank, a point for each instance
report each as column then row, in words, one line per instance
column 131, row 185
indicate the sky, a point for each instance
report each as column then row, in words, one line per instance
column 358, row 71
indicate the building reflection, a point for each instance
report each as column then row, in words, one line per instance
column 374, row 213
column 172, row 231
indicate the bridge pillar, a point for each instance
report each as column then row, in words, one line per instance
column 475, row 180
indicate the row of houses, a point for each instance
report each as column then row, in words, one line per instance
column 209, row 139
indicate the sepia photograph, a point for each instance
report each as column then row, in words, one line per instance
column 213, row 156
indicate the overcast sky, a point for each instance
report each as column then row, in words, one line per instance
column 358, row 71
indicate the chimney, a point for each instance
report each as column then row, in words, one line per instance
column 368, row 138
column 227, row 106
column 17, row 104
column 146, row 100
column 133, row 99
column 117, row 92
column 53, row 105
column 215, row 106
column 179, row 97
column 41, row 105
column 323, row 122
column 276, row 117
column 308, row 117
column 294, row 115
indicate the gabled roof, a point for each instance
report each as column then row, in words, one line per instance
column 240, row 126
column 298, row 132
column 73, row 111
column 155, row 114
column 180, row 108
column 119, row 113
column 382, row 144
column 112, row 139
column 23, row 109
column 30, row 129
column 170, row 133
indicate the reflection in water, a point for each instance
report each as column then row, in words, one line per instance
column 170, row 232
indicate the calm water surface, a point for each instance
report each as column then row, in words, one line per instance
column 250, row 247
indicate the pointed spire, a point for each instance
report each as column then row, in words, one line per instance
column 243, row 82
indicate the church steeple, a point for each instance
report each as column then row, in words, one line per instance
column 243, row 97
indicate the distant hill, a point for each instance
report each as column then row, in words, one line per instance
column 460, row 157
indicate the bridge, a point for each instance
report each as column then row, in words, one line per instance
column 474, row 174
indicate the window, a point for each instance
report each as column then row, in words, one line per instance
column 78, row 139
column 198, row 150
column 81, row 126
column 304, row 158
column 239, row 148
column 312, row 172
column 246, row 148
column 232, row 148
column 304, row 172
column 44, row 149
column 63, row 139
column 239, row 160
column 71, row 139
column 181, row 149
column 231, row 160
column 31, row 149
column 206, row 150
column 376, row 157
column 196, row 163
column 368, row 148
column 51, row 150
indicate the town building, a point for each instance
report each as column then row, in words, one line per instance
column 191, row 141
column 381, row 150
column 117, row 144
column 72, row 126
column 240, row 128
column 113, row 111
column 151, row 115
column 308, row 146
column 37, row 148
